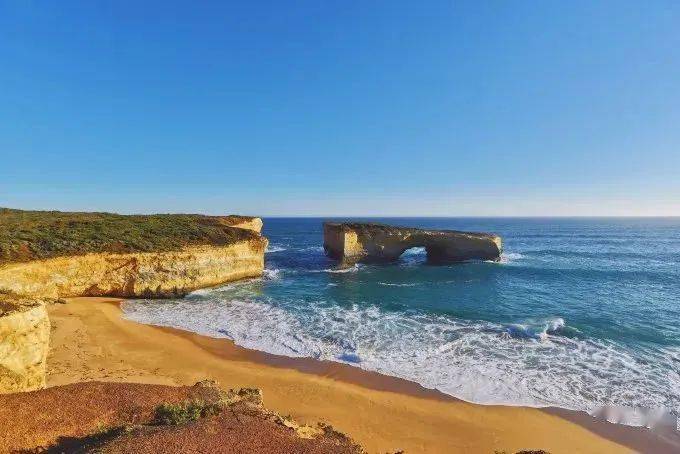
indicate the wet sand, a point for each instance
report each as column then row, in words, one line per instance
column 91, row 341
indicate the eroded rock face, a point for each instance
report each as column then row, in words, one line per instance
column 356, row 242
column 201, row 252
column 24, row 342
column 148, row 274
column 247, row 223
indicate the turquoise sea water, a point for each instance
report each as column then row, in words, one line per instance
column 579, row 314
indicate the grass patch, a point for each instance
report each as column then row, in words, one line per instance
column 31, row 235
column 184, row 412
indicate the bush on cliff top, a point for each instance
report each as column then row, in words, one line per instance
column 184, row 412
column 30, row 235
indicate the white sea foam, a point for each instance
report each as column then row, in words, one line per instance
column 350, row 269
column 531, row 363
column 632, row 416
column 275, row 248
column 509, row 257
column 536, row 329
column 200, row 292
column 312, row 248
column 272, row 274
column 397, row 284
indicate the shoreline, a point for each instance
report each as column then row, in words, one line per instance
column 92, row 341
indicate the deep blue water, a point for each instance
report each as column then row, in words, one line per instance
column 579, row 314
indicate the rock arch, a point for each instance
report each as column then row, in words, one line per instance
column 367, row 242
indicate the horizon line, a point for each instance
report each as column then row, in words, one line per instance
column 336, row 216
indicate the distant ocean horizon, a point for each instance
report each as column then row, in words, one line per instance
column 581, row 312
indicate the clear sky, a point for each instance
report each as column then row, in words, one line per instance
column 341, row 108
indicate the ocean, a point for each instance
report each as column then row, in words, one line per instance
column 581, row 313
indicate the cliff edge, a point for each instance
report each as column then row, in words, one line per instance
column 52, row 254
column 55, row 254
column 24, row 341
column 367, row 242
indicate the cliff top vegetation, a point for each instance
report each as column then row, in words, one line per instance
column 32, row 235
column 368, row 228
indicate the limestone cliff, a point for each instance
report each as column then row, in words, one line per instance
column 55, row 254
column 356, row 242
column 145, row 274
column 244, row 222
column 24, row 339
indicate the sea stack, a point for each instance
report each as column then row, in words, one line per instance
column 368, row 242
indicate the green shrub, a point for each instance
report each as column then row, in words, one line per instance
column 184, row 412
column 31, row 235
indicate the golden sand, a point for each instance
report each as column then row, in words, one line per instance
column 91, row 341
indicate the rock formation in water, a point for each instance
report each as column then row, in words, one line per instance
column 357, row 242
column 56, row 255
column 24, row 341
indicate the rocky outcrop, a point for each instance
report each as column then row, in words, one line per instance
column 55, row 255
column 146, row 274
column 356, row 242
column 98, row 417
column 24, row 339
column 243, row 222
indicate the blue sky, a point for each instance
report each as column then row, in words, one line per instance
column 341, row 108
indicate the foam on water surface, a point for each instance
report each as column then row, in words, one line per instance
column 520, row 364
column 275, row 248
column 580, row 314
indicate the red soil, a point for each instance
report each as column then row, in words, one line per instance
column 65, row 418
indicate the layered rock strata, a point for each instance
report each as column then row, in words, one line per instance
column 24, row 341
column 47, row 255
column 146, row 274
column 357, row 242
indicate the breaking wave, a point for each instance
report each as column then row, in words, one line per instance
column 396, row 284
column 539, row 330
column 534, row 363
column 350, row 269
column 272, row 274
column 578, row 314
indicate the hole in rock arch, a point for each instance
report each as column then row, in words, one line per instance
column 414, row 256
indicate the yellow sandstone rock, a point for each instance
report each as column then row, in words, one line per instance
column 356, row 242
column 147, row 274
column 254, row 224
column 88, row 254
column 24, row 342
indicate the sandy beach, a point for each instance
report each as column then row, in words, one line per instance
column 91, row 341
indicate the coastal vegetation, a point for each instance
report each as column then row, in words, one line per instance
column 34, row 235
column 98, row 417
column 49, row 255
column 170, row 414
